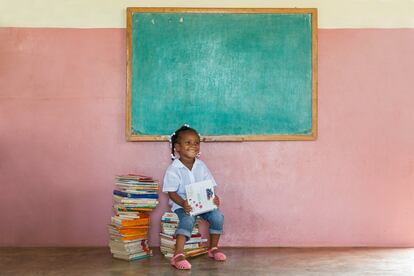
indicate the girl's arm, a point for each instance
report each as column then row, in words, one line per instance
column 180, row 201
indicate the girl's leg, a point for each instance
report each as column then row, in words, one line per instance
column 216, row 219
column 214, row 239
column 179, row 244
column 183, row 232
column 184, row 229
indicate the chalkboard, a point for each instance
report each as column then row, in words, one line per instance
column 232, row 74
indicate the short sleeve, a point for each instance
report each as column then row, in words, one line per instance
column 208, row 175
column 171, row 182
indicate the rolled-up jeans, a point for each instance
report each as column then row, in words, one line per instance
column 215, row 219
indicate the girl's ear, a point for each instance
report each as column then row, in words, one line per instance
column 177, row 147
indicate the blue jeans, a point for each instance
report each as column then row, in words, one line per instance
column 215, row 218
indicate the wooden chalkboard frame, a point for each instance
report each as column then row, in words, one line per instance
column 312, row 11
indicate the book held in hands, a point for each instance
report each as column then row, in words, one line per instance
column 200, row 197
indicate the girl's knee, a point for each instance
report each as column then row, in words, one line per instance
column 187, row 222
column 217, row 218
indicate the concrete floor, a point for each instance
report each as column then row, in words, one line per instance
column 241, row 261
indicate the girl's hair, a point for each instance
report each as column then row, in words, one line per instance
column 176, row 136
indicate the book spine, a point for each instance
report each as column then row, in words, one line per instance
column 124, row 194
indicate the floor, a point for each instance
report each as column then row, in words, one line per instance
column 241, row 261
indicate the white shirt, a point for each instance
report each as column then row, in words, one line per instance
column 178, row 176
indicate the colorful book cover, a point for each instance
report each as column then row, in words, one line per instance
column 200, row 196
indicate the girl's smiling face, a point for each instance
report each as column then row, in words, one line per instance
column 188, row 145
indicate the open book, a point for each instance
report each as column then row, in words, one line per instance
column 200, row 197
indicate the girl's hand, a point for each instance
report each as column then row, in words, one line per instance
column 187, row 207
column 216, row 200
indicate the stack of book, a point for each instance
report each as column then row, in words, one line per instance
column 195, row 246
column 134, row 198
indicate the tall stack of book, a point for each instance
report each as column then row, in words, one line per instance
column 195, row 246
column 135, row 196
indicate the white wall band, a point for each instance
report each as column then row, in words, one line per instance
column 111, row 13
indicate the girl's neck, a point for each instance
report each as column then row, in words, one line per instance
column 188, row 162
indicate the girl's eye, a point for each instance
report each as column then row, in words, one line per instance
column 190, row 143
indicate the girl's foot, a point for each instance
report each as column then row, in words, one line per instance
column 216, row 254
column 179, row 262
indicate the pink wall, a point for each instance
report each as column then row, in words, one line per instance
column 62, row 94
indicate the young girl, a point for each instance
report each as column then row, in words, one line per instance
column 183, row 171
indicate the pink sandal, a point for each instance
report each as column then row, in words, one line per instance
column 218, row 256
column 183, row 264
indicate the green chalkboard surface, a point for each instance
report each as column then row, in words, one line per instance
column 232, row 74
